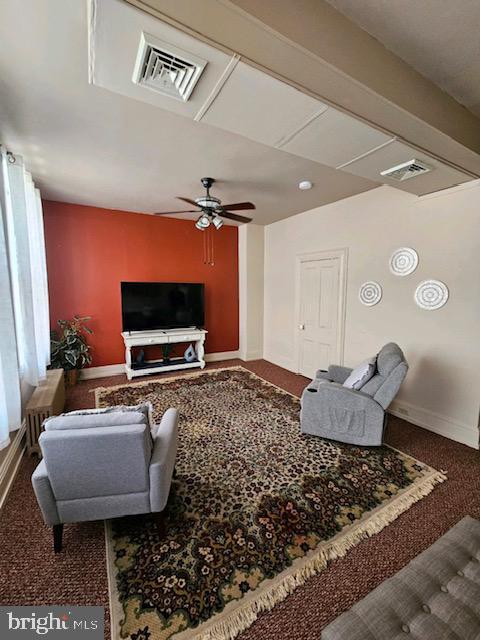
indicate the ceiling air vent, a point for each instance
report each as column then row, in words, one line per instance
column 406, row 170
column 167, row 69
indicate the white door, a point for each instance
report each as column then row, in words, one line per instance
column 320, row 313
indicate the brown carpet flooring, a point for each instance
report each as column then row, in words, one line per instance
column 30, row 573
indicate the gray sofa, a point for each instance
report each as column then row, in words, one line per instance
column 104, row 465
column 330, row 410
column 435, row 597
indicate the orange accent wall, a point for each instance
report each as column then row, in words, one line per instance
column 91, row 250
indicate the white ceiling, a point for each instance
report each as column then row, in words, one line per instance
column 87, row 145
column 439, row 38
column 90, row 135
column 240, row 99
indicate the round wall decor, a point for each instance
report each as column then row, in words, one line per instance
column 403, row 261
column 370, row 293
column 431, row 294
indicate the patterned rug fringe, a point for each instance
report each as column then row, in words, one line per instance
column 244, row 617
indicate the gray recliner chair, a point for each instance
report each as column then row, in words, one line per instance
column 330, row 410
column 98, row 466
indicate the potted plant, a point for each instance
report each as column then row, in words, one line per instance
column 69, row 348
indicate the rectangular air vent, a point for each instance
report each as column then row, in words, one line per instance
column 167, row 69
column 406, row 170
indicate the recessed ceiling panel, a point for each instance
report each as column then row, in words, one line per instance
column 90, row 146
column 259, row 107
column 334, row 138
column 116, row 33
column 441, row 176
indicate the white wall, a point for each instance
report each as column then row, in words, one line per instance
column 251, row 293
column 441, row 391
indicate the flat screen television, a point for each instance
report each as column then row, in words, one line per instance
column 162, row 305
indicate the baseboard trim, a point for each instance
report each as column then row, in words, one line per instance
column 117, row 369
column 221, row 355
column 251, row 355
column 440, row 424
column 9, row 467
column 102, row 372
column 280, row 361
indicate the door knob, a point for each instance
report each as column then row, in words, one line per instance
column 301, row 327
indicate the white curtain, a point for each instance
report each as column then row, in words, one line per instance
column 10, row 400
column 24, row 314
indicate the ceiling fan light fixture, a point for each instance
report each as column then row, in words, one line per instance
column 212, row 211
column 208, row 202
column 203, row 222
column 217, row 222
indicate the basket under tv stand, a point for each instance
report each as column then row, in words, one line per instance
column 149, row 338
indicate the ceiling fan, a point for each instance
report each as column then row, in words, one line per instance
column 212, row 209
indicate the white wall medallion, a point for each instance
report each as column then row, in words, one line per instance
column 370, row 293
column 403, row 261
column 431, row 294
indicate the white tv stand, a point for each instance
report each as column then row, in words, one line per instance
column 147, row 338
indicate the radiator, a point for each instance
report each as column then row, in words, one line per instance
column 47, row 400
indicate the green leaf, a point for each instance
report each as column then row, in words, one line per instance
column 70, row 358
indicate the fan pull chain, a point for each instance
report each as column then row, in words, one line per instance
column 211, row 259
column 208, row 246
column 204, row 240
column 214, row 234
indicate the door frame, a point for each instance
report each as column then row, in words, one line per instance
column 342, row 255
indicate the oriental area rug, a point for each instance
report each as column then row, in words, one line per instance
column 255, row 508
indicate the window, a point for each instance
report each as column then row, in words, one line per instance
column 24, row 315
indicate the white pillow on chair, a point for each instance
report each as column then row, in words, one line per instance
column 361, row 374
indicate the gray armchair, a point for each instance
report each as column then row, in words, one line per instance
column 104, row 465
column 330, row 410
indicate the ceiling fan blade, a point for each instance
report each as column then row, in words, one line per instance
column 171, row 213
column 233, row 216
column 188, row 201
column 238, row 206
